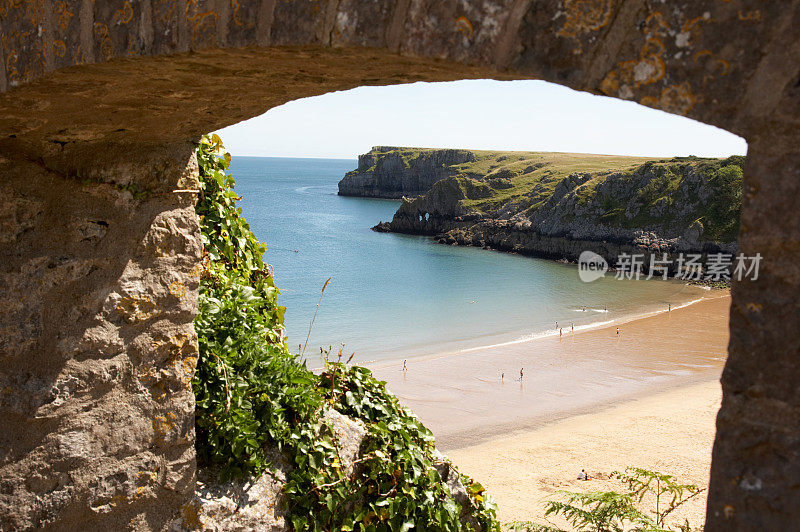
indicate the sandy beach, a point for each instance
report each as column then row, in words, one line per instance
column 670, row 432
column 647, row 397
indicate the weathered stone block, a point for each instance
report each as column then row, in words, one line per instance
column 97, row 296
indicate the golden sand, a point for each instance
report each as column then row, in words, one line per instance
column 671, row 432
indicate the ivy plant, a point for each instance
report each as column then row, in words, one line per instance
column 253, row 396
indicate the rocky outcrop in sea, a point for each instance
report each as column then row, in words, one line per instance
column 389, row 172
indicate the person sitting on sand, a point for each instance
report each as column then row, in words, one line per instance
column 583, row 475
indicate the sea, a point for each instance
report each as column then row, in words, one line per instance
column 394, row 296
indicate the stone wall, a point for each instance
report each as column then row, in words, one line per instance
column 107, row 90
column 97, row 295
column 756, row 460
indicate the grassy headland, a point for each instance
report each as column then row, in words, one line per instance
column 520, row 201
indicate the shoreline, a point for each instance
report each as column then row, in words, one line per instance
column 463, row 400
column 524, row 337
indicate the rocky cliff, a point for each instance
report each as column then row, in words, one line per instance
column 557, row 205
column 388, row 172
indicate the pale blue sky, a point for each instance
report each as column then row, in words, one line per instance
column 478, row 114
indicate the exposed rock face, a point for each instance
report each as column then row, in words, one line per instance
column 97, row 296
column 457, row 489
column 561, row 218
column 349, row 434
column 115, row 85
column 388, row 172
column 237, row 505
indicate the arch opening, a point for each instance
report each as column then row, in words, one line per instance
column 294, row 250
column 135, row 171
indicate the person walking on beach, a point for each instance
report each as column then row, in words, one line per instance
column 556, row 325
column 520, row 374
column 617, row 331
column 572, row 328
column 405, row 367
column 560, row 333
column 502, row 376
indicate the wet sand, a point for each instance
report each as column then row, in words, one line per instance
column 464, row 401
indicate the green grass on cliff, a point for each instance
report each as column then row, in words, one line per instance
column 719, row 216
column 527, row 170
column 525, row 181
column 524, row 169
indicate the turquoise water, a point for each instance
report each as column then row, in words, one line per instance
column 399, row 296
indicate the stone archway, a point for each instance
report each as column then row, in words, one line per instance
column 100, row 103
